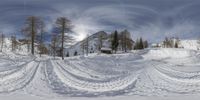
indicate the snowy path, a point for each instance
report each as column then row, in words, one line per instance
column 149, row 73
column 19, row 78
column 96, row 86
column 38, row 85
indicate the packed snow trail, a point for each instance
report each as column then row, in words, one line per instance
column 39, row 86
column 19, row 78
column 95, row 86
column 147, row 72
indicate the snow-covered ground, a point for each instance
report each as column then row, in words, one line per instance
column 190, row 44
column 147, row 74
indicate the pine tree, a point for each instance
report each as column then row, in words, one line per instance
column 136, row 45
column 115, row 41
column 141, row 45
column 176, row 44
column 75, row 53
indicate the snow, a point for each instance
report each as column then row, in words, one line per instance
column 169, row 52
column 21, row 48
column 93, row 44
column 106, row 49
column 186, row 44
column 190, row 44
column 154, row 73
column 30, row 97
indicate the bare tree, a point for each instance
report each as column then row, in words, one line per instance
column 2, row 41
column 14, row 42
column 126, row 40
column 166, row 42
column 145, row 44
column 31, row 28
column 41, row 41
column 54, row 44
column 64, row 26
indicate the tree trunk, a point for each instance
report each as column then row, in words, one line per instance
column 33, row 36
column 41, row 50
column 125, row 46
column 63, row 33
column 1, row 42
column 87, row 47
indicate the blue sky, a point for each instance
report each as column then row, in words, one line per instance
column 151, row 19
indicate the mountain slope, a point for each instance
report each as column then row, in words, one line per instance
column 21, row 47
column 93, row 44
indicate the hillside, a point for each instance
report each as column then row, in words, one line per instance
column 101, row 41
column 21, row 47
column 93, row 42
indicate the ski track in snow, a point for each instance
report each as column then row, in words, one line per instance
column 148, row 72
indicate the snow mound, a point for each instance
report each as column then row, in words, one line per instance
column 190, row 44
column 168, row 53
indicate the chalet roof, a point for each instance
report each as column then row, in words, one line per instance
column 105, row 49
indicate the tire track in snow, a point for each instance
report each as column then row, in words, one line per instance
column 163, row 82
column 187, row 77
column 18, row 79
column 115, row 85
column 89, row 75
column 11, row 71
column 38, row 85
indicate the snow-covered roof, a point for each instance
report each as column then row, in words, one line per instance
column 106, row 49
column 156, row 44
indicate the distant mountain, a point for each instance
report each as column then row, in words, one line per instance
column 93, row 44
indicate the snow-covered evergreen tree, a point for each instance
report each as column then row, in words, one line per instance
column 115, row 41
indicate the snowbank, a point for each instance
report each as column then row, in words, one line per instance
column 190, row 44
column 168, row 53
